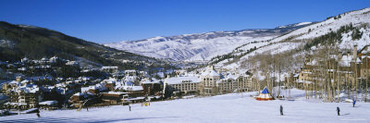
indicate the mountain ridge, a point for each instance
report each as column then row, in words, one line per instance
column 18, row 41
column 188, row 47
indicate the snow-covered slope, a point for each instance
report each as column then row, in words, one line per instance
column 298, row 38
column 235, row 108
column 200, row 47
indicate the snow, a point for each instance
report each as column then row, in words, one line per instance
column 348, row 42
column 234, row 107
column 28, row 88
column 195, row 47
column 205, row 46
column 303, row 23
column 179, row 80
column 29, row 110
column 50, row 102
column 297, row 38
column 128, row 86
column 210, row 72
column 114, row 92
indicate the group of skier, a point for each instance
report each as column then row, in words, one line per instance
column 338, row 109
column 281, row 109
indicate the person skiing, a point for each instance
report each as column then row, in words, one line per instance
column 281, row 110
column 129, row 107
column 354, row 103
column 338, row 111
column 38, row 113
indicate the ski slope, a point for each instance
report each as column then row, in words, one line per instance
column 235, row 107
column 298, row 38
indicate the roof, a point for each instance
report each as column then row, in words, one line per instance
column 130, row 78
column 115, row 92
column 135, row 98
column 150, row 82
column 50, row 102
column 29, row 88
column 129, row 88
column 347, row 59
column 130, row 70
column 231, row 76
column 210, row 71
column 179, row 80
column 265, row 91
column 109, row 67
column 296, row 75
column 303, row 81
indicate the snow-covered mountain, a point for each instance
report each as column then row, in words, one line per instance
column 301, row 37
column 203, row 46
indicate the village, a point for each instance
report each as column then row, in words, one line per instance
column 123, row 87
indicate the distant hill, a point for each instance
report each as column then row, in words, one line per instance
column 202, row 46
column 18, row 41
column 342, row 31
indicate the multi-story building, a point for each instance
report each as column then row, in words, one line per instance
column 209, row 79
column 344, row 68
column 185, row 85
column 24, row 97
column 213, row 83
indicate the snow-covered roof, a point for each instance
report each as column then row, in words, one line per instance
column 28, row 88
column 129, row 88
column 85, row 94
column 210, row 72
column 346, row 60
column 135, row 98
column 313, row 62
column 78, row 94
column 110, row 80
column 130, row 70
column 50, row 102
column 179, row 80
column 296, row 75
column 15, row 83
column 15, row 103
column 231, row 76
column 303, row 81
column 109, row 67
column 147, row 81
column 114, row 92
column 25, row 81
column 130, row 78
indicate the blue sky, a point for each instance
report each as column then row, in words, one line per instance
column 118, row 20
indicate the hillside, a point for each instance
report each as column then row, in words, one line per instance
column 18, row 41
column 200, row 47
column 342, row 31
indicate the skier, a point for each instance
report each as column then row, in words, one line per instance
column 87, row 108
column 38, row 113
column 129, row 107
column 281, row 110
column 354, row 103
column 338, row 111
